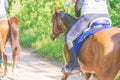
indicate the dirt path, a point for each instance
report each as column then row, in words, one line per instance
column 34, row 68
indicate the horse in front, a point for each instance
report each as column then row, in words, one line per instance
column 8, row 31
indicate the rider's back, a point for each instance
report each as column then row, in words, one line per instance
column 94, row 7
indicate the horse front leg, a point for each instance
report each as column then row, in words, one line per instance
column 65, row 54
column 66, row 60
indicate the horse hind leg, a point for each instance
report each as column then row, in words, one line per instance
column 3, row 68
column 5, row 64
column 1, row 65
column 65, row 76
column 16, row 51
column 14, row 55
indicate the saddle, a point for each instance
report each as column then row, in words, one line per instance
column 95, row 26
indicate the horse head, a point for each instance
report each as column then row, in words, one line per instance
column 61, row 22
column 56, row 25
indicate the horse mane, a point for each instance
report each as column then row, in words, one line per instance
column 67, row 19
column 67, row 15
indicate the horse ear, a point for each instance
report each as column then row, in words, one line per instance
column 55, row 9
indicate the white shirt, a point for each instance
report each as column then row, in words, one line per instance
column 3, row 7
column 94, row 7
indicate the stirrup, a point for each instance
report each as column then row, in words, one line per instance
column 73, row 72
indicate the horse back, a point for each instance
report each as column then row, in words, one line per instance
column 110, row 35
column 101, row 50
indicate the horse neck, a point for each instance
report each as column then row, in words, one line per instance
column 67, row 21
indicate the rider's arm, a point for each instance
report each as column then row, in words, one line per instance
column 78, row 6
column 6, row 5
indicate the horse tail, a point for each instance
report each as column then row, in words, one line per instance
column 14, row 37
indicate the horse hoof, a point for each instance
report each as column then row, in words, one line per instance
column 64, row 78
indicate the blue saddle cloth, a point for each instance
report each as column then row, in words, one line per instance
column 82, row 37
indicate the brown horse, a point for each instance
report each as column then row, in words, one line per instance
column 8, row 31
column 99, row 54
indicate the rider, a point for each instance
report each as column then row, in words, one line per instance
column 3, row 9
column 90, row 10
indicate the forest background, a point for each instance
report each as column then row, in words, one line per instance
column 35, row 24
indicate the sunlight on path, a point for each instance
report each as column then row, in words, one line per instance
column 33, row 68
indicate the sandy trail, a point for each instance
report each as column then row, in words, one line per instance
column 35, row 68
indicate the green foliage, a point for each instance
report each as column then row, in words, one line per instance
column 35, row 24
column 114, row 12
column 118, row 78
